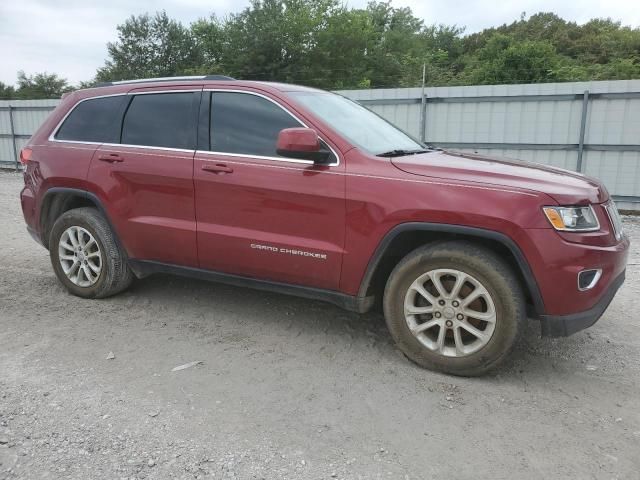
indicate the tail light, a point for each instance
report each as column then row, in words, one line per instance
column 25, row 155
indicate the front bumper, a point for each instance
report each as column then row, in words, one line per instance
column 565, row 325
column 556, row 264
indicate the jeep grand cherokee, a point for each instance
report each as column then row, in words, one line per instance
column 305, row 192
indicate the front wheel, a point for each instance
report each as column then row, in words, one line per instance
column 85, row 255
column 455, row 307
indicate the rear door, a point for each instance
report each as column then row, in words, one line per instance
column 146, row 180
column 259, row 214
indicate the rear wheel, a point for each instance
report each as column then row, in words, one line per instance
column 85, row 255
column 454, row 307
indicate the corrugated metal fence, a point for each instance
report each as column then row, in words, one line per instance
column 19, row 119
column 592, row 127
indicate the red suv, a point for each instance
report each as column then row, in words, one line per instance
column 305, row 192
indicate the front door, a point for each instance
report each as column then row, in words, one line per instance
column 259, row 214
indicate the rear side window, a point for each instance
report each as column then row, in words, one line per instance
column 161, row 120
column 247, row 124
column 93, row 120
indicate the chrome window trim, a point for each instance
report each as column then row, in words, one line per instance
column 54, row 132
column 171, row 149
column 127, row 145
column 74, row 141
column 262, row 157
column 206, row 152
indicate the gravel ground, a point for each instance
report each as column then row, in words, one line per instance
column 289, row 388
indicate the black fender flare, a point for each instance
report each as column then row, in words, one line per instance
column 80, row 193
column 525, row 269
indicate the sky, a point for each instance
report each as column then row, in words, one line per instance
column 69, row 37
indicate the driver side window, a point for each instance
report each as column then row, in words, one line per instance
column 243, row 123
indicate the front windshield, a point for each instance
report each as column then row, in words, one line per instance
column 355, row 123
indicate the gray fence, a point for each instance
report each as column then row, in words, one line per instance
column 590, row 127
column 18, row 120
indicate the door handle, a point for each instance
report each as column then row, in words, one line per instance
column 111, row 158
column 218, row 168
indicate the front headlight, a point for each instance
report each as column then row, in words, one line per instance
column 572, row 219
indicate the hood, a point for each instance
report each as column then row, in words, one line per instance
column 564, row 186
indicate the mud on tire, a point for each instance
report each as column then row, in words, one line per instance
column 465, row 334
column 82, row 225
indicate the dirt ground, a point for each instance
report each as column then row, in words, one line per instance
column 289, row 388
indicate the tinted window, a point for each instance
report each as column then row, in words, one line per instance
column 95, row 120
column 160, row 120
column 244, row 123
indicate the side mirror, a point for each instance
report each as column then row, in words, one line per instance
column 302, row 143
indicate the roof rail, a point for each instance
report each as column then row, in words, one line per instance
column 166, row 79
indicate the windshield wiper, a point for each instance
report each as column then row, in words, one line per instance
column 401, row 152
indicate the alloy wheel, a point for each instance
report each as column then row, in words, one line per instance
column 80, row 256
column 450, row 312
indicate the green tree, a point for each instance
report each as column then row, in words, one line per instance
column 598, row 50
column 339, row 57
column 394, row 43
column 505, row 60
column 275, row 40
column 41, row 85
column 7, row 92
column 326, row 44
column 320, row 43
column 209, row 39
column 150, row 46
column 440, row 49
column 601, row 41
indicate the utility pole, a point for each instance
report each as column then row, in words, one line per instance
column 423, row 107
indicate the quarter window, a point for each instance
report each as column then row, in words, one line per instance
column 246, row 124
column 94, row 120
column 160, row 120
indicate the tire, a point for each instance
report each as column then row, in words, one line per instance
column 477, row 337
column 87, row 226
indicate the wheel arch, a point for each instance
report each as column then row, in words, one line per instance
column 406, row 237
column 58, row 200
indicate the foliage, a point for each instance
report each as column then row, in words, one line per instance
column 506, row 60
column 41, row 85
column 7, row 92
column 601, row 49
column 149, row 47
column 326, row 44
